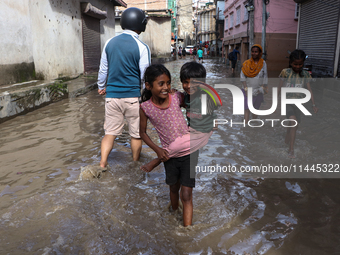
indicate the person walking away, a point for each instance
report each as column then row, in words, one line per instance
column 194, row 53
column 180, row 52
column 200, row 55
column 122, row 65
column 254, row 75
column 234, row 59
column 184, row 52
column 295, row 77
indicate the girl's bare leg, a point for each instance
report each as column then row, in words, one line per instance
column 186, row 197
column 174, row 195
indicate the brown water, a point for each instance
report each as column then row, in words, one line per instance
column 45, row 209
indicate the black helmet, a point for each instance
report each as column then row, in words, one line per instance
column 133, row 19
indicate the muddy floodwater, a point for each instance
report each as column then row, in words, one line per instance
column 46, row 209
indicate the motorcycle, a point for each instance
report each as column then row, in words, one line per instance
column 309, row 68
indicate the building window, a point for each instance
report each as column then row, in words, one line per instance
column 246, row 14
column 226, row 23
column 297, row 10
column 231, row 20
column 238, row 16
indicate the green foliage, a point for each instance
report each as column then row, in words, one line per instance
column 59, row 88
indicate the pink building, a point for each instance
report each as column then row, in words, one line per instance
column 281, row 29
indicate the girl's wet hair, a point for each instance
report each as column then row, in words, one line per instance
column 150, row 75
column 296, row 55
column 192, row 70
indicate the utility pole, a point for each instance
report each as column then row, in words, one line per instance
column 264, row 19
column 176, row 47
column 217, row 32
column 251, row 26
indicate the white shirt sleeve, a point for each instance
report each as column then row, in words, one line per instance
column 144, row 62
column 103, row 70
column 242, row 76
column 265, row 75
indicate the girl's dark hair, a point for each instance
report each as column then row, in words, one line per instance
column 192, row 70
column 296, row 55
column 150, row 75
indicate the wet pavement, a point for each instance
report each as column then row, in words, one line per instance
column 46, row 207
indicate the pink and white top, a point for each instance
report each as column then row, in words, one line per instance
column 169, row 121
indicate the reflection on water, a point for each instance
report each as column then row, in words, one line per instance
column 45, row 209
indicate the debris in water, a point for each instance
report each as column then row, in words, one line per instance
column 91, row 171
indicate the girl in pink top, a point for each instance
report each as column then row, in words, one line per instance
column 162, row 108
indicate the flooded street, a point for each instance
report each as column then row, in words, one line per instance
column 46, row 209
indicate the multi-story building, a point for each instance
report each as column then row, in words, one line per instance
column 206, row 25
column 219, row 25
column 172, row 8
column 244, row 26
column 158, row 30
column 185, row 24
column 209, row 23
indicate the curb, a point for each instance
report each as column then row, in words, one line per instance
column 19, row 99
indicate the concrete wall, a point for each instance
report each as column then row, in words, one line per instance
column 277, row 46
column 157, row 36
column 16, row 51
column 57, row 32
column 107, row 26
column 281, row 18
column 45, row 37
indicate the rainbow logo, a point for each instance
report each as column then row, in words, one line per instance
column 210, row 91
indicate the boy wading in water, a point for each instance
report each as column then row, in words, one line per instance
column 180, row 147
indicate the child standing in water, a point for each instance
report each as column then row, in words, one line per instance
column 296, row 77
column 180, row 143
column 201, row 126
column 163, row 110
